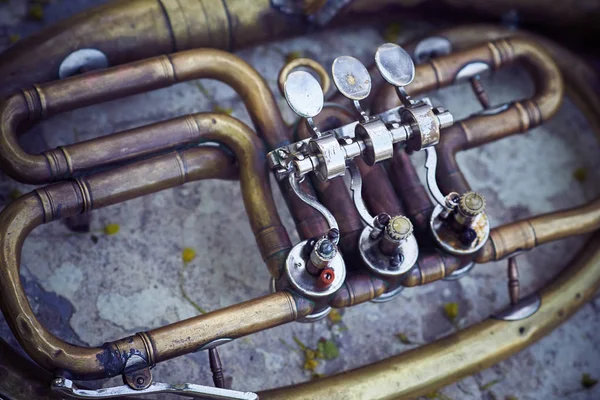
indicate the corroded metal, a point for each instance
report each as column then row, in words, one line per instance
column 474, row 348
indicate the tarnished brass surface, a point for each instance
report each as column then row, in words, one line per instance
column 423, row 370
column 408, row 375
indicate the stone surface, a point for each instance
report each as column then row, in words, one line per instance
column 91, row 288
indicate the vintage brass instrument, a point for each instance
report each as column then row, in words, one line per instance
column 353, row 250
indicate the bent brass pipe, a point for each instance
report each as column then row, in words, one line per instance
column 51, row 98
column 130, row 30
column 531, row 232
column 68, row 198
column 427, row 368
column 55, row 97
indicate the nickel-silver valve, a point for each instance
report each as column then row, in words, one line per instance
column 415, row 125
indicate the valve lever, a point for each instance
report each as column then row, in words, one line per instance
column 356, row 188
column 397, row 68
column 67, row 388
column 304, row 96
column 352, row 79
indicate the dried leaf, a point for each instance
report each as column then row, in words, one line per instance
column 15, row 194
column 300, row 344
column 182, row 282
column 335, row 316
column 222, row 110
column 292, row 56
column 392, row 32
column 451, row 311
column 329, row 349
column 587, row 381
column 14, row 38
column 36, row 12
column 203, row 90
column 403, row 338
column 111, row 229
column 490, row 384
column 580, row 174
column 511, row 397
column 437, row 396
column 188, row 254
column 311, row 365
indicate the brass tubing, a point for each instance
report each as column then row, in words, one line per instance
column 130, row 30
column 406, row 182
column 531, row 232
column 72, row 197
column 55, row 97
column 99, row 86
column 443, row 71
column 431, row 266
column 358, row 289
column 427, row 368
column 378, row 192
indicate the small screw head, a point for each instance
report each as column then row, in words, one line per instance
column 382, row 220
column 333, row 235
column 471, row 204
column 282, row 153
column 399, row 228
column 326, row 248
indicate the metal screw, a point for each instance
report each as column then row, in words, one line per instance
column 326, row 248
column 140, row 381
column 468, row 236
column 282, row 153
column 333, row 235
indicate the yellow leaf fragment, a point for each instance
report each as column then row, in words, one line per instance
column 403, row 338
column 587, row 381
column 36, row 12
column 111, row 229
column 490, row 384
column 311, row 365
column 188, row 254
column 335, row 316
column 15, row 194
column 222, row 110
column 392, row 32
column 580, row 174
column 292, row 56
column 451, row 311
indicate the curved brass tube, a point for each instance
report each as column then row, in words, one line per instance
column 427, row 368
column 531, row 232
column 130, row 30
column 102, row 189
column 95, row 87
column 51, row 98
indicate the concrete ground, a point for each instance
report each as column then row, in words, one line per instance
column 91, row 288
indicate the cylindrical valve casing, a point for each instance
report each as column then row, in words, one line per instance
column 332, row 158
column 377, row 139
